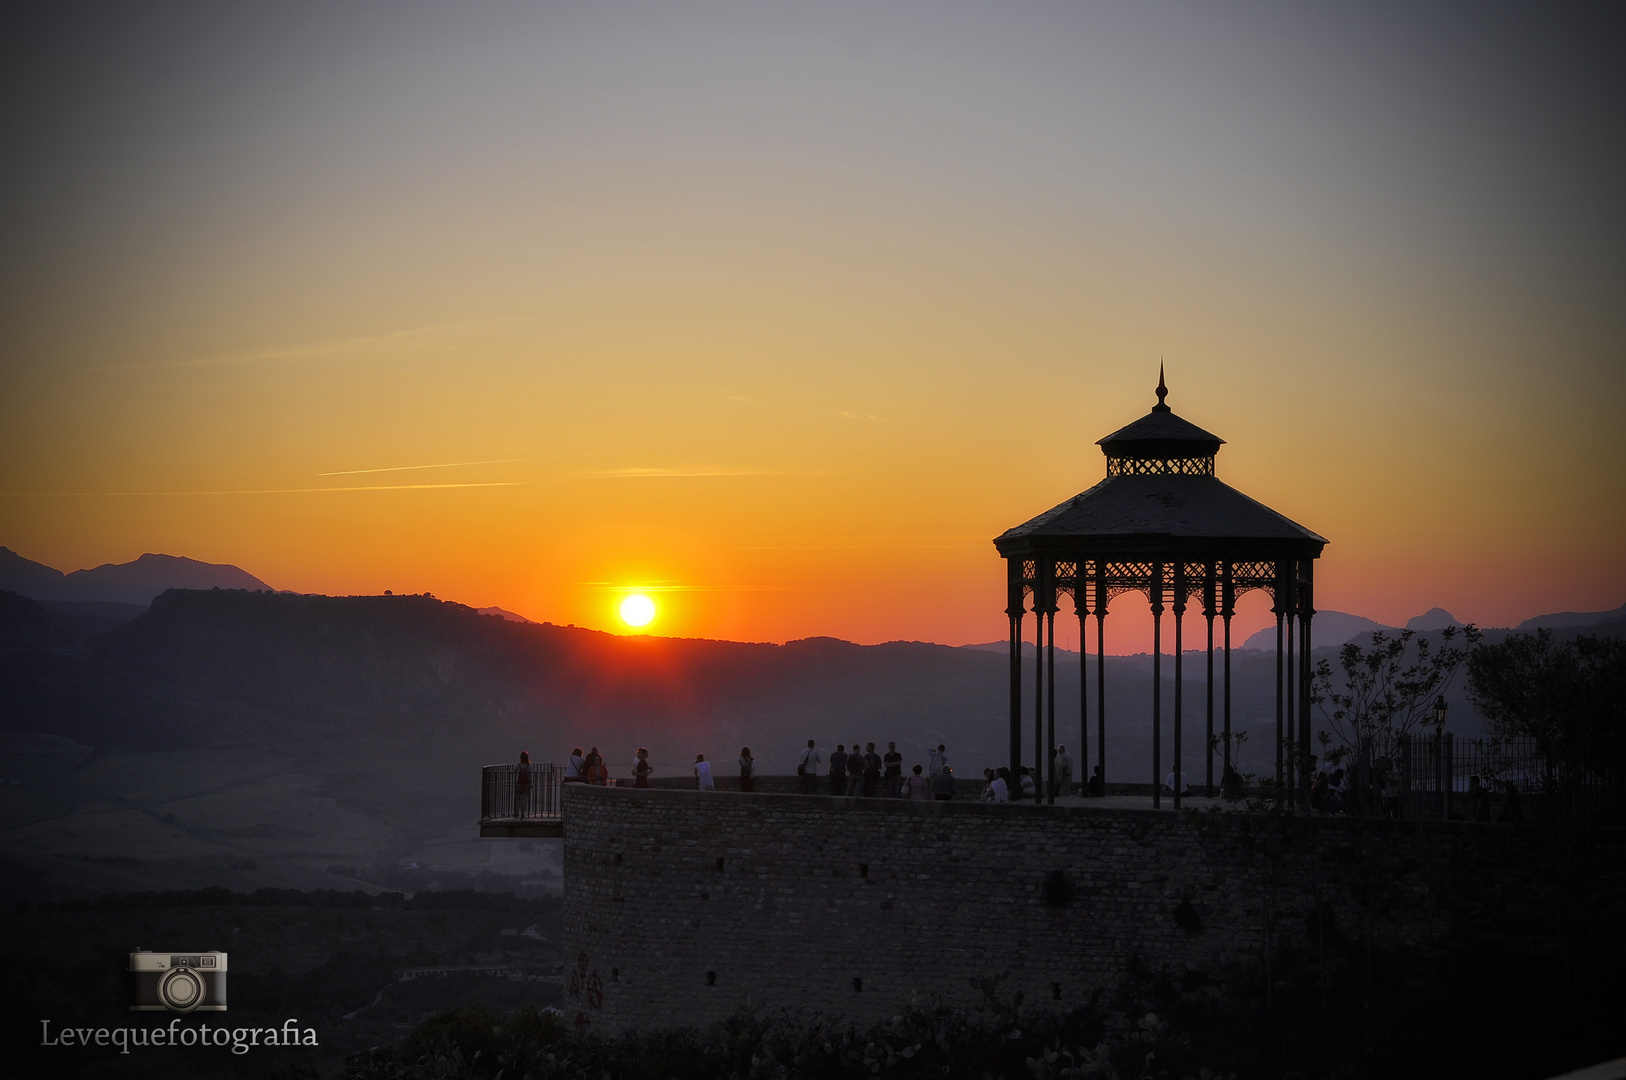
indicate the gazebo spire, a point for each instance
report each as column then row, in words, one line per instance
column 1162, row 390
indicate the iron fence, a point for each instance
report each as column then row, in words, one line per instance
column 1432, row 775
column 520, row 792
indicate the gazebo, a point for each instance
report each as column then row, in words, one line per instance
column 1164, row 524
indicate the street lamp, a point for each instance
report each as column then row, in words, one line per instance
column 1439, row 711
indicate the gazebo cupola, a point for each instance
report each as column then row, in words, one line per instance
column 1163, row 524
column 1160, row 443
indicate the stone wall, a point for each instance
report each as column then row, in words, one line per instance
column 682, row 906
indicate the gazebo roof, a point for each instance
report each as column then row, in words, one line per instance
column 1158, row 507
column 1161, row 495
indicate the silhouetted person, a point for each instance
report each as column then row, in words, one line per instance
column 1063, row 769
column 855, row 773
column 1337, row 791
column 838, row 769
column 702, row 774
column 1098, row 784
column 938, row 759
column 748, row 770
column 1478, row 799
column 893, row 764
column 1168, row 784
column 807, row 767
column 1318, row 793
column 573, row 766
column 522, row 785
column 872, row 771
column 918, row 786
column 1029, row 786
column 943, row 785
column 641, row 768
column 1231, row 786
column 593, row 771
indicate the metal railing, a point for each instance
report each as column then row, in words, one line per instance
column 1433, row 773
column 520, row 792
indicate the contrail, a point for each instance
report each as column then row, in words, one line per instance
column 408, row 468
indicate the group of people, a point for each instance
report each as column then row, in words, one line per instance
column 865, row 774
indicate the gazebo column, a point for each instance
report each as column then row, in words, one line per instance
column 1156, row 591
column 1280, row 598
column 1044, row 602
column 1015, row 608
column 1227, row 609
column 1208, row 726
column 1049, row 778
column 1179, row 680
column 1101, row 671
column 1306, row 668
column 1295, row 766
column 1081, row 607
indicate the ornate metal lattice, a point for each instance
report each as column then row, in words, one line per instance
column 1180, row 466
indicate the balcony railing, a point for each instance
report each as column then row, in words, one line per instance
column 519, row 800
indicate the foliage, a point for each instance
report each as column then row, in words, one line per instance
column 998, row 1039
column 1569, row 697
column 1388, row 689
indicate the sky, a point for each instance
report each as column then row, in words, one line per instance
column 780, row 313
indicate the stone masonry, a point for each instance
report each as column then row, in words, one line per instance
column 680, row 906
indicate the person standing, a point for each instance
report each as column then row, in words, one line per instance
column 872, row 771
column 573, row 767
column 937, row 760
column 522, row 785
column 1098, row 784
column 893, row 764
column 855, row 773
column 919, row 787
column 808, row 767
column 838, row 769
column 593, row 771
column 748, row 770
column 943, row 785
column 1064, row 772
column 641, row 768
column 702, row 774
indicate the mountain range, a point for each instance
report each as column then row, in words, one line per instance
column 134, row 583
column 249, row 738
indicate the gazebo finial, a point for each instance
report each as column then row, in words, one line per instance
column 1162, row 390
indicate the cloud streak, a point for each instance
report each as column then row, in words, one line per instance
column 253, row 491
column 409, row 468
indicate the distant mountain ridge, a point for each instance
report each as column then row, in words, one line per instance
column 1573, row 618
column 134, row 582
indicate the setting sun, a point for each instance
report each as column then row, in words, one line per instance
column 637, row 610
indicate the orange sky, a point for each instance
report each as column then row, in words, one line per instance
column 786, row 314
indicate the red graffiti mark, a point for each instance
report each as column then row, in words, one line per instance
column 581, row 963
column 583, row 1022
column 595, row 991
column 575, row 984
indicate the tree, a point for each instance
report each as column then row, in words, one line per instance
column 1389, row 689
column 1565, row 696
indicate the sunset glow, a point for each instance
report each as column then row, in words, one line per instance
column 798, row 309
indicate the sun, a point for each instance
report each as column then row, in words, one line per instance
column 637, row 610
